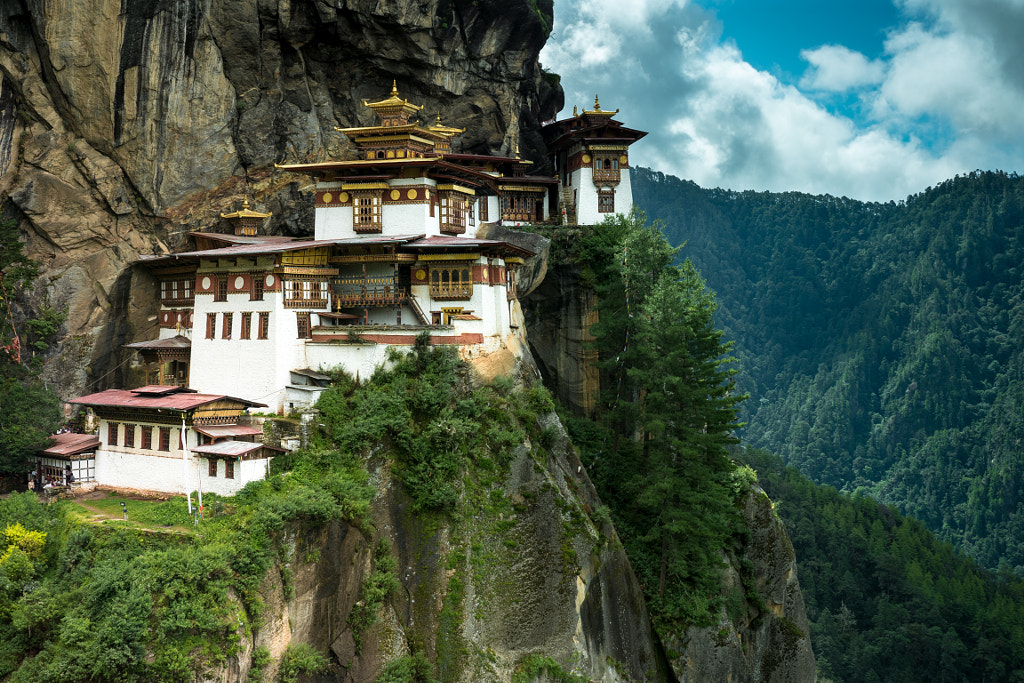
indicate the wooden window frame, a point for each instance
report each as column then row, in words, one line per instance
column 256, row 288
column 452, row 282
column 112, row 428
column 246, row 331
column 147, row 438
column 211, row 325
column 229, row 469
column 367, row 211
column 606, row 202
column 264, row 330
column 211, row 470
column 165, row 439
column 129, row 435
column 228, row 323
column 303, row 327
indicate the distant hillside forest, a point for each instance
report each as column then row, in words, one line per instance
column 880, row 343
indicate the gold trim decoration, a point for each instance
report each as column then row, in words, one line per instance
column 520, row 188
column 328, row 197
column 343, row 198
column 514, row 259
column 623, row 160
column 396, row 195
column 585, row 159
column 608, row 148
column 421, row 274
column 457, row 188
column 449, row 257
column 365, row 186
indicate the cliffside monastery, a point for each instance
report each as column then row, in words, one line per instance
column 253, row 321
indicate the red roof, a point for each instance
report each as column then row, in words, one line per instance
column 176, row 342
column 71, row 444
column 180, row 401
column 218, row 431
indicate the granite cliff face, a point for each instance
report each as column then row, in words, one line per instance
column 124, row 124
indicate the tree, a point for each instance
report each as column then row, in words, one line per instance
column 669, row 402
column 29, row 412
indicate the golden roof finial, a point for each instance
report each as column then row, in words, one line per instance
column 575, row 110
column 517, row 151
column 394, row 88
column 597, row 104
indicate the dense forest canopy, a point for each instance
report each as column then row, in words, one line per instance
column 880, row 343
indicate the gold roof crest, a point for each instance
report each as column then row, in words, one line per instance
column 597, row 110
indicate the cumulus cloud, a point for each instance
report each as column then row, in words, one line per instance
column 838, row 68
column 946, row 96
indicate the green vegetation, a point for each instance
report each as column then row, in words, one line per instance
column 882, row 344
column 29, row 411
column 887, row 601
column 658, row 445
column 536, row 665
column 408, row 669
column 301, row 659
column 99, row 599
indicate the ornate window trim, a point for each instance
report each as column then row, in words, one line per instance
column 367, row 211
column 451, row 282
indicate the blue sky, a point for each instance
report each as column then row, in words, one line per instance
column 871, row 99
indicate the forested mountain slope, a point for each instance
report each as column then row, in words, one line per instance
column 880, row 343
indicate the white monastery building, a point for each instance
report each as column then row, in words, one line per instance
column 393, row 256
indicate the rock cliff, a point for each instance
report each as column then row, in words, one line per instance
column 124, row 124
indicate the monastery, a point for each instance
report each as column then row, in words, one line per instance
column 253, row 321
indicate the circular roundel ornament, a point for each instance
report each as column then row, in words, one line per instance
column 328, row 197
column 412, row 194
column 395, row 195
column 343, row 197
column 586, row 159
column 623, row 160
column 206, row 283
column 239, row 281
column 421, row 274
column 270, row 281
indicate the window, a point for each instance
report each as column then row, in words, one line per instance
column 246, row 331
column 606, row 202
column 129, row 435
column 165, row 438
column 366, row 211
column 225, row 331
column 213, row 467
column 453, row 213
column 222, row 289
column 112, row 433
column 302, row 319
column 305, row 293
column 264, row 331
column 229, row 469
column 256, row 288
column 147, row 438
column 211, row 325
column 176, row 291
column 451, row 283
column 483, row 209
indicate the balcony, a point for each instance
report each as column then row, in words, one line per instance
column 606, row 176
column 367, row 291
column 451, row 291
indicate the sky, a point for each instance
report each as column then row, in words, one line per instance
column 869, row 99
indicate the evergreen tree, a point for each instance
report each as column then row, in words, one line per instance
column 670, row 409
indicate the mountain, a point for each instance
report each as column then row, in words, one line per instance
column 881, row 344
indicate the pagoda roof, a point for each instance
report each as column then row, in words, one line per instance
column 445, row 242
column 232, row 239
column 245, row 212
column 273, row 248
column 393, row 103
column 153, row 397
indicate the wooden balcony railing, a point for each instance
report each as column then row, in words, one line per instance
column 367, row 291
column 451, row 290
column 606, row 175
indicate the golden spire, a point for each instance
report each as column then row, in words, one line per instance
column 597, row 104
column 575, row 110
column 597, row 111
column 394, row 88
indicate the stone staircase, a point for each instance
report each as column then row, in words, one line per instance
column 566, row 207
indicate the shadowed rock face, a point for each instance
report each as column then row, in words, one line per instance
column 126, row 123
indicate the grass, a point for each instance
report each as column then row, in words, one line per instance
column 144, row 513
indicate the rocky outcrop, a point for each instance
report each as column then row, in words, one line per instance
column 522, row 571
column 559, row 313
column 124, row 124
column 755, row 642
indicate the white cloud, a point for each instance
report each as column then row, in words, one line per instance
column 838, row 68
column 947, row 96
